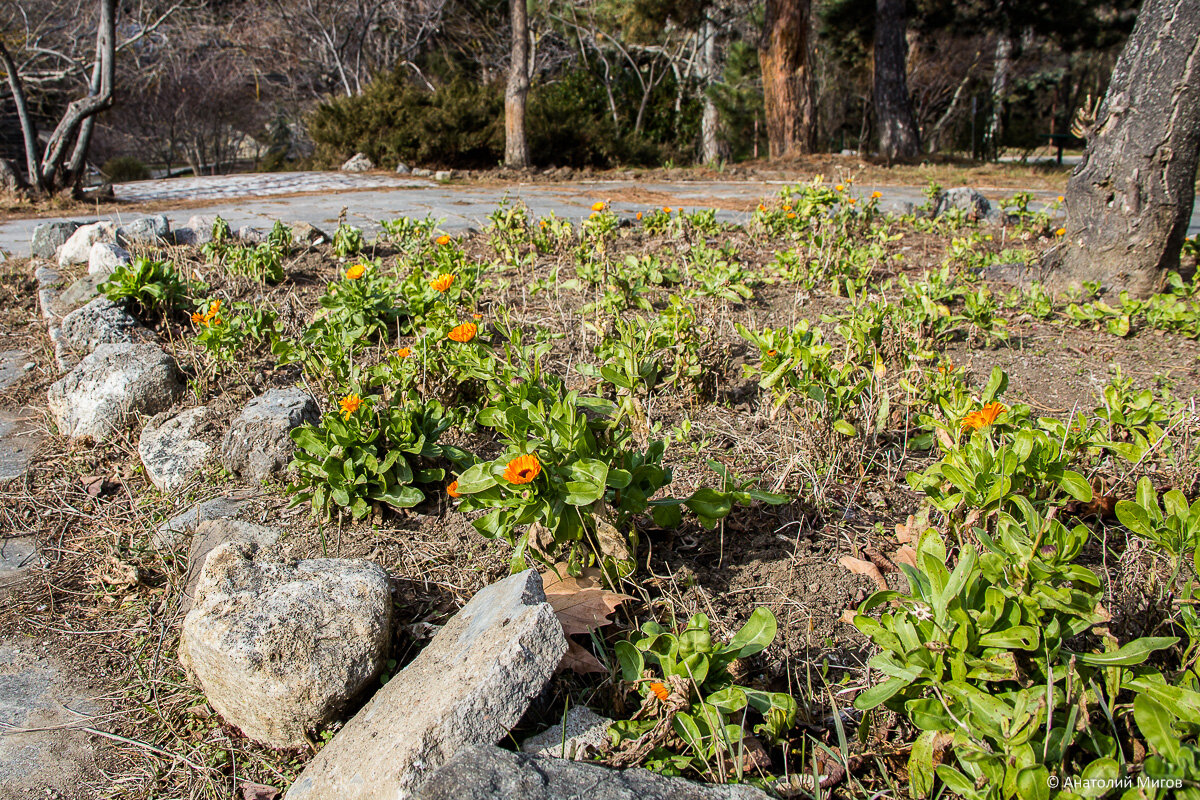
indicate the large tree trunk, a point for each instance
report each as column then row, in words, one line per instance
column 789, row 98
column 899, row 136
column 516, row 149
column 1000, row 76
column 33, row 174
column 711, row 146
column 1129, row 200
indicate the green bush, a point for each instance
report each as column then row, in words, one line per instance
column 125, row 168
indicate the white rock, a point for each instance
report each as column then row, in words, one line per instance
column 108, row 389
column 581, row 733
column 170, row 448
column 105, row 257
column 443, row 175
column 78, row 248
column 172, row 533
column 211, row 534
column 257, row 444
column 469, row 686
column 151, row 230
column 49, row 236
column 100, row 321
column 278, row 649
column 358, row 163
column 402, row 169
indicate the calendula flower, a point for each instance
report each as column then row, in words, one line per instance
column 213, row 308
column 876, row 195
column 444, row 239
column 840, row 187
column 463, row 333
column 639, row 215
column 541, row 223
column 761, row 207
column 197, row 318
column 851, row 200
column 593, row 215
column 1061, row 232
column 787, row 206
column 666, row 209
column 442, row 282
column 1060, row 198
column 660, row 691
column 404, row 352
column 599, row 205
column 791, row 215
column 477, row 316
column 771, row 353
column 983, row 417
column 350, row 403
column 452, row 490
column 356, row 272
column 522, row 469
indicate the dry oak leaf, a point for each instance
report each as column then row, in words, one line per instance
column 582, row 605
column 861, row 566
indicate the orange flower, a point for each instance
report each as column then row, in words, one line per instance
column 851, row 200
column 213, row 308
column 1061, row 232
column 442, row 282
column 593, row 215
column 197, row 319
column 350, row 403
column 452, row 490
column 599, row 205
column 404, row 352
column 522, row 469
column 541, row 223
column 839, row 187
column 660, row 691
column 444, row 239
column 356, row 272
column 666, row 209
column 761, row 207
column 1060, row 198
column 477, row 316
column 787, row 206
column 876, row 195
column 463, row 333
column 639, row 215
column 791, row 215
column 983, row 417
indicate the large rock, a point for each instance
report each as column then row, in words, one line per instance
column 109, row 388
column 306, row 233
column 197, row 231
column 78, row 248
column 211, row 534
column 581, row 733
column 99, row 322
column 490, row 773
column 49, row 236
column 21, row 436
column 257, row 444
column 172, row 533
column 149, row 230
column 403, row 169
column 469, row 686
column 171, row 448
column 77, row 295
column 970, row 201
column 105, row 257
column 358, row 163
column 280, row 648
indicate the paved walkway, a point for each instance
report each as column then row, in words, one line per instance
column 318, row 197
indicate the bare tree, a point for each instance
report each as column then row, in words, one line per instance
column 899, row 136
column 788, row 97
column 516, row 149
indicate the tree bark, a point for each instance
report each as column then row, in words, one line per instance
column 899, row 136
column 710, row 119
column 1000, row 74
column 1129, row 200
column 789, row 97
column 33, row 174
column 516, row 149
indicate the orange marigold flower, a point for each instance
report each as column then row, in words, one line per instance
column 404, row 352
column 761, row 207
column 771, row 353
column 791, row 215
column 477, row 316
column 442, row 282
column 1060, row 198
column 355, row 272
column 851, row 200
column 197, row 319
column 787, row 206
column 213, row 308
column 876, row 195
column 443, row 239
column 599, row 205
column 522, row 469
column 1061, row 232
column 639, row 215
column 541, row 223
column 660, row 691
column 350, row 403
column 452, row 490
column 666, row 209
column 983, row 417
column 463, row 333
column 839, row 187
column 593, row 215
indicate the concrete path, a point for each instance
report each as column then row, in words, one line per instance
column 317, row 198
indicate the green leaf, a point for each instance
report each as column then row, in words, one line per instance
column 1154, row 722
column 879, row 693
column 710, row 504
column 476, row 479
column 1076, row 486
column 1134, row 517
column 400, row 496
column 1135, row 652
column 667, row 516
column 631, row 661
column 756, row 635
column 920, row 765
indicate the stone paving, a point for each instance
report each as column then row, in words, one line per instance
column 224, row 187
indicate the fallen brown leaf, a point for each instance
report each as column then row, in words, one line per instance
column 578, row 659
column 581, row 603
column 114, row 572
column 861, row 566
column 258, row 791
column 906, row 555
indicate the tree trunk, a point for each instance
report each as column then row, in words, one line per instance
column 33, row 174
column 899, row 136
column 710, row 119
column 516, row 149
column 789, row 98
column 1000, row 72
column 1129, row 201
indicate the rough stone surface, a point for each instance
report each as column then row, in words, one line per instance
column 77, row 295
column 13, row 365
column 490, row 773
column 104, row 258
column 145, row 229
column 99, row 322
column 963, row 199
column 304, row 233
column 78, row 248
column 171, row 448
column 443, row 175
column 179, row 528
column 213, row 533
column 469, row 686
column 17, row 556
column 403, row 169
column 421, row 172
column 257, row 444
column 49, row 236
column 108, row 388
column 585, row 732
column 358, row 163
column 251, row 235
column 21, row 434
column 197, row 231
column 280, row 648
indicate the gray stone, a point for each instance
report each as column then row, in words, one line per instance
column 44, row 754
column 108, row 389
column 211, row 534
column 251, row 235
column 469, row 686
column 77, row 295
column 99, row 322
column 490, row 773
column 21, row 435
column 403, row 169
column 171, row 450
column 78, row 248
column 280, row 648
column 13, row 366
column 582, row 733
column 197, row 232
column 17, row 556
column 147, row 230
column 257, row 444
column 49, row 236
column 976, row 206
column 172, row 533
column 358, row 163
column 421, row 172
column 304, row 233
column 443, row 175
column 105, row 257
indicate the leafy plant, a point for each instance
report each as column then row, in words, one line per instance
column 151, row 286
